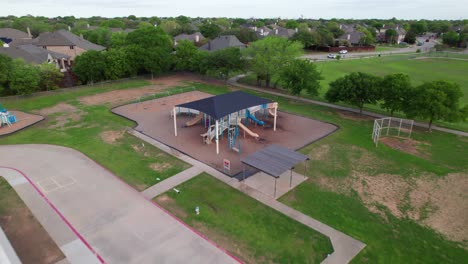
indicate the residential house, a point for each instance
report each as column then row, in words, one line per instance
column 36, row 55
column 63, row 41
column 223, row 42
column 196, row 38
column 8, row 35
column 401, row 33
column 352, row 38
column 283, row 32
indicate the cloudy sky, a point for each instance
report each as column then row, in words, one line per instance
column 404, row 9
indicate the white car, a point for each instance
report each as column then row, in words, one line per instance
column 343, row 51
column 331, row 56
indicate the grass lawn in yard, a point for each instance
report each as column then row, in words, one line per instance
column 245, row 227
column 95, row 131
column 27, row 236
column 391, row 199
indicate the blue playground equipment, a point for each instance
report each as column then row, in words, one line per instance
column 253, row 118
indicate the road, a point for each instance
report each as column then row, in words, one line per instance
column 411, row 49
column 103, row 216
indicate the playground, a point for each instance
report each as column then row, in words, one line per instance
column 240, row 133
column 12, row 121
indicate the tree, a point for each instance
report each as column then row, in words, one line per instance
column 90, row 66
column 118, row 40
column 356, row 89
column 210, row 30
column 306, row 38
column 269, row 54
column 149, row 49
column 185, row 56
column 300, row 75
column 292, row 24
column 419, row 27
column 410, row 37
column 437, row 100
column 24, row 78
column 50, row 77
column 169, row 26
column 451, row 38
column 391, row 35
column 395, row 89
column 5, row 71
column 117, row 65
column 113, row 23
column 225, row 61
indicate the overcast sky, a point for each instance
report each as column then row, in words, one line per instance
column 403, row 9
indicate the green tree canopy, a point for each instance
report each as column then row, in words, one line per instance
column 24, row 78
column 437, row 100
column 90, row 66
column 210, row 30
column 185, row 57
column 268, row 55
column 307, row 38
column 299, row 75
column 225, row 61
column 50, row 76
column 356, row 88
column 117, row 65
column 451, row 38
column 395, row 90
column 391, row 35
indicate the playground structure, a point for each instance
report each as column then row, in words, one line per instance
column 392, row 126
column 227, row 113
column 6, row 118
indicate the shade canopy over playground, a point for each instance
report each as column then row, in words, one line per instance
column 274, row 160
column 222, row 105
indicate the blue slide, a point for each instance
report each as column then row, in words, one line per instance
column 250, row 116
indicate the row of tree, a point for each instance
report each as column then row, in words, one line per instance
column 437, row 100
column 18, row 77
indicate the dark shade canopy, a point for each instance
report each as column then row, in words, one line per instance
column 222, row 105
column 274, row 160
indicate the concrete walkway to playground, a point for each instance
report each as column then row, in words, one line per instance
column 93, row 216
column 345, row 247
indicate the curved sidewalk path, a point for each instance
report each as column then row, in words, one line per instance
column 233, row 81
column 96, row 218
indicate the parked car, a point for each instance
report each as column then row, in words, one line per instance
column 343, row 51
column 331, row 56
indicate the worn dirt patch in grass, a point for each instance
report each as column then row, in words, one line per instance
column 354, row 116
column 439, row 203
column 63, row 114
column 410, row 146
column 320, row 152
column 160, row 166
column 27, row 236
column 169, row 203
column 111, row 136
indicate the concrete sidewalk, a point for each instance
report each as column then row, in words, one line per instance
column 233, row 82
column 345, row 247
column 171, row 182
column 117, row 222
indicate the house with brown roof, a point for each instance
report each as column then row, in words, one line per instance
column 65, row 42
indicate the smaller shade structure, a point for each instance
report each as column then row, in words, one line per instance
column 274, row 160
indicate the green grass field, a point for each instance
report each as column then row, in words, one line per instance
column 247, row 228
column 420, row 70
column 389, row 239
column 125, row 157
